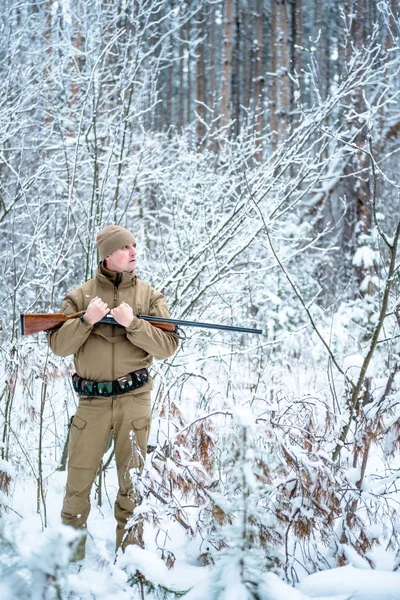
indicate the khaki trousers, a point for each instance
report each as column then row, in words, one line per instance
column 129, row 418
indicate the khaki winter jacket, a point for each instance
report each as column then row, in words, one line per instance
column 105, row 352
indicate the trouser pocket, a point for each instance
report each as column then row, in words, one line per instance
column 87, row 442
column 139, row 436
column 77, row 426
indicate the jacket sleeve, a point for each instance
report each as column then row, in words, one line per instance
column 154, row 341
column 72, row 335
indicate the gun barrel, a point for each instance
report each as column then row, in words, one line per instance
column 178, row 322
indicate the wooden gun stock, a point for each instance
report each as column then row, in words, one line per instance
column 34, row 323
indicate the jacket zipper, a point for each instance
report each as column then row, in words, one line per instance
column 113, row 345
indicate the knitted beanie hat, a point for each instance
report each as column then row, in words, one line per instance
column 112, row 238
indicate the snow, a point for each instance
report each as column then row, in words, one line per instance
column 357, row 584
column 343, row 583
column 45, row 554
column 7, row 468
column 181, row 577
column 352, row 366
column 364, row 257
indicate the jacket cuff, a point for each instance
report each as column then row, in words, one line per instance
column 85, row 323
column 133, row 325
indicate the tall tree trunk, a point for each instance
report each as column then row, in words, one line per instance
column 258, row 76
column 280, row 62
column 212, row 67
column 226, row 72
column 318, row 34
column 248, row 56
column 328, row 28
column 273, row 84
column 183, row 70
column 296, row 43
column 236, row 71
column 359, row 185
column 170, row 99
column 189, row 79
column 212, row 59
column 200, row 92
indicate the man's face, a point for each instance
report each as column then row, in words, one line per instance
column 123, row 259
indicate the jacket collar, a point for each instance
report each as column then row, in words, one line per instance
column 119, row 280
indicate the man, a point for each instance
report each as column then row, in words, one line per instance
column 111, row 363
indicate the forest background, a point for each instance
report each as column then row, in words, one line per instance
column 252, row 147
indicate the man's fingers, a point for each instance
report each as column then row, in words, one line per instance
column 99, row 302
column 123, row 314
column 96, row 310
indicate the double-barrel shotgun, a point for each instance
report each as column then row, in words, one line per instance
column 34, row 323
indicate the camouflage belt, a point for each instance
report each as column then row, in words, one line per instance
column 122, row 385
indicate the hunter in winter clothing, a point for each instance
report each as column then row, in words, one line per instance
column 106, row 353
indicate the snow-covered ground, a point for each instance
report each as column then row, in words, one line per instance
column 43, row 554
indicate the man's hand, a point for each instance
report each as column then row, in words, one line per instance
column 123, row 314
column 96, row 310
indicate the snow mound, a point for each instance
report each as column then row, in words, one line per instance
column 357, row 584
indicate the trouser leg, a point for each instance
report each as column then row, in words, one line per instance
column 88, row 436
column 131, row 433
